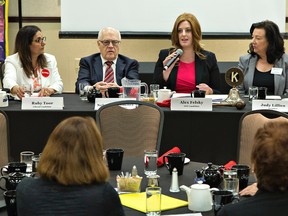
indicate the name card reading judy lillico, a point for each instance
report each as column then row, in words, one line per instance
column 42, row 103
column 278, row 105
column 191, row 104
column 102, row 101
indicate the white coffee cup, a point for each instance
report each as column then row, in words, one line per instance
column 164, row 94
column 3, row 99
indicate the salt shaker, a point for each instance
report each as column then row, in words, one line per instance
column 134, row 171
column 174, row 182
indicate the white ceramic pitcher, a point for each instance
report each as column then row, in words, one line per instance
column 199, row 197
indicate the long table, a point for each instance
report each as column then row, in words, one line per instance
column 164, row 182
column 203, row 136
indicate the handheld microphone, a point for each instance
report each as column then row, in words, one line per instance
column 179, row 52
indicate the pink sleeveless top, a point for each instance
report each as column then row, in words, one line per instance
column 186, row 79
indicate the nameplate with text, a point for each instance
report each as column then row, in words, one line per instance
column 278, row 105
column 42, row 103
column 191, row 104
column 102, row 101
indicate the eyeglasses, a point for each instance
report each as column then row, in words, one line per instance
column 107, row 42
column 40, row 40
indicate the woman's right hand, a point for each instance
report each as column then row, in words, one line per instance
column 167, row 72
column 17, row 90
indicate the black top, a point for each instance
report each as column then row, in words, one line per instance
column 37, row 196
column 263, row 203
column 264, row 80
column 207, row 71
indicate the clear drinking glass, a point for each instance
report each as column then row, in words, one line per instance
column 26, row 157
column 153, row 201
column 28, row 89
column 83, row 91
column 154, row 88
column 150, row 162
column 232, row 184
column 253, row 93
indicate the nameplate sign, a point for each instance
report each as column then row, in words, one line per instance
column 42, row 103
column 102, row 101
column 191, row 104
column 278, row 105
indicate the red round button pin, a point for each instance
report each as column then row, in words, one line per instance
column 45, row 72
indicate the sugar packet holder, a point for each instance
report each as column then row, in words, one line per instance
column 129, row 184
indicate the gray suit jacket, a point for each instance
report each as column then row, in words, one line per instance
column 248, row 63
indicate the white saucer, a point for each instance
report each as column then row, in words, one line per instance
column 186, row 161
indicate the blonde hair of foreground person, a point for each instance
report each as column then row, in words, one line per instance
column 73, row 154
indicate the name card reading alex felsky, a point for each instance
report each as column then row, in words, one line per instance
column 191, row 104
column 278, row 105
column 102, row 101
column 42, row 103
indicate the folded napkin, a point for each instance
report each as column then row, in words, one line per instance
column 160, row 159
column 229, row 164
column 165, row 103
column 138, row 201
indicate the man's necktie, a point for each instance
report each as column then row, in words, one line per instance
column 109, row 74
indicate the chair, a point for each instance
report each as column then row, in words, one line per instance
column 4, row 138
column 249, row 123
column 134, row 129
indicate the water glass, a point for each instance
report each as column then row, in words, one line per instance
column 35, row 162
column 262, row 93
column 154, row 88
column 232, row 184
column 28, row 89
column 150, row 162
column 253, row 93
column 26, row 157
column 83, row 91
column 153, row 201
column 230, row 173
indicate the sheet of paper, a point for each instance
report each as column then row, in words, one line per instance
column 273, row 97
column 217, row 98
column 177, row 95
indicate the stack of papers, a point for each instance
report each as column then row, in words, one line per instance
column 137, row 201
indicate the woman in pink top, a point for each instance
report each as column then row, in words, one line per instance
column 195, row 68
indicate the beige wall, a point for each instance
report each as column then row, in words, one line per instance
column 67, row 50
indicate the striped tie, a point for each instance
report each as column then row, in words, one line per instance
column 109, row 74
